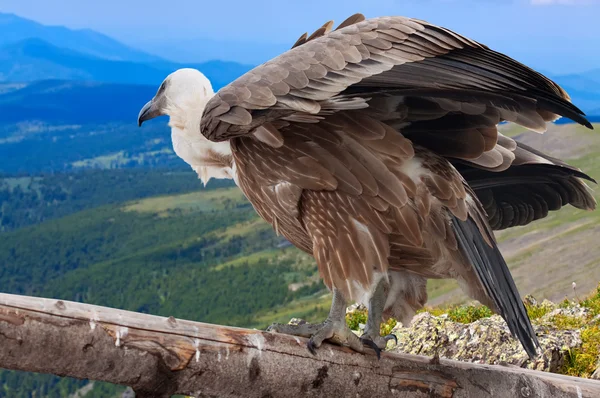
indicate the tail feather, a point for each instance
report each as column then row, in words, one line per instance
column 496, row 280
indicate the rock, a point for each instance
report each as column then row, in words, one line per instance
column 296, row 321
column 548, row 305
column 575, row 311
column 530, row 300
column 486, row 340
column 355, row 307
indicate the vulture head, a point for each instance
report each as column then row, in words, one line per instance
column 182, row 96
column 183, row 92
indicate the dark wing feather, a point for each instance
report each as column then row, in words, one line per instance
column 495, row 277
column 392, row 57
column 532, row 186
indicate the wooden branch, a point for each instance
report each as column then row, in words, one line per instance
column 160, row 356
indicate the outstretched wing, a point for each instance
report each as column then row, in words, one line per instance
column 436, row 76
column 441, row 90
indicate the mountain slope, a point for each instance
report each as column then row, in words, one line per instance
column 584, row 90
column 35, row 59
column 200, row 255
column 14, row 29
column 58, row 125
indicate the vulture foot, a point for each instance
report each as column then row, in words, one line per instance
column 337, row 332
column 334, row 331
column 377, row 343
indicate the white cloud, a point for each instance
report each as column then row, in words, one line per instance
column 563, row 2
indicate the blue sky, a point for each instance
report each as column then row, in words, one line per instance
column 558, row 36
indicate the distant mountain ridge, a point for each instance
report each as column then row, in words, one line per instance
column 34, row 59
column 30, row 51
column 14, row 29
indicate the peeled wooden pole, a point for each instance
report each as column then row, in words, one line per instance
column 160, row 356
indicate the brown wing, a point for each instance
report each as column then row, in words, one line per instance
column 440, row 89
column 403, row 63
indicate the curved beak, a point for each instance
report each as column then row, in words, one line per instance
column 149, row 111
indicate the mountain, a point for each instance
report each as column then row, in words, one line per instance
column 59, row 125
column 15, row 29
column 30, row 51
column 185, row 50
column 35, row 59
column 156, row 242
column 74, row 102
column 584, row 90
column 593, row 74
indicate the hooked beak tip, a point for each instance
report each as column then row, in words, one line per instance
column 147, row 112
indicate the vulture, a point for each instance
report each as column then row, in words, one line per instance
column 375, row 148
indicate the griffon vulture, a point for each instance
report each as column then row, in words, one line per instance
column 374, row 147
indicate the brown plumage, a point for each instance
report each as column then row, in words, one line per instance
column 374, row 147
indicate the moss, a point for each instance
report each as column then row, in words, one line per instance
column 386, row 327
column 434, row 311
column 461, row 313
column 469, row 313
column 565, row 303
column 582, row 362
column 566, row 322
column 593, row 302
column 536, row 311
column 354, row 318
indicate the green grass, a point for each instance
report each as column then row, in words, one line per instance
column 121, row 158
column 537, row 311
column 461, row 313
column 201, row 201
column 582, row 362
column 24, row 183
column 108, row 161
column 262, row 257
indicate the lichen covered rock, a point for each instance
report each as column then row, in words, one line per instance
column 488, row 340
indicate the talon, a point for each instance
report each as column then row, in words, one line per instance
column 391, row 337
column 371, row 343
column 311, row 347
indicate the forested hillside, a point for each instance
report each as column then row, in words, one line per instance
column 148, row 241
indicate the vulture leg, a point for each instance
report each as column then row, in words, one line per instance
column 371, row 337
column 333, row 329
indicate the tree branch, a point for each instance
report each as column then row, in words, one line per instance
column 160, row 356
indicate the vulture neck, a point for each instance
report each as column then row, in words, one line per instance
column 207, row 158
